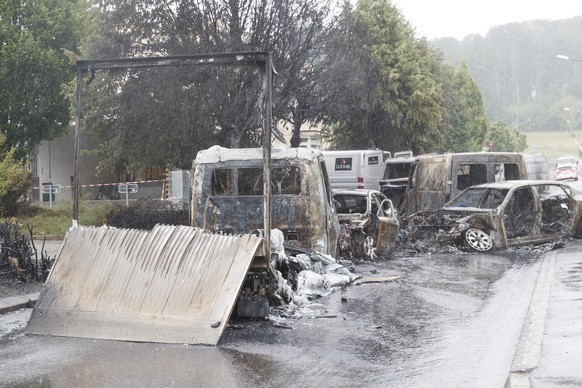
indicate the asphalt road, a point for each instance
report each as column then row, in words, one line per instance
column 448, row 321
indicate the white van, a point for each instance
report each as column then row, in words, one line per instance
column 359, row 169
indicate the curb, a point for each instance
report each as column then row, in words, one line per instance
column 18, row 302
column 528, row 351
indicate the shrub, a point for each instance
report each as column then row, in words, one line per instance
column 146, row 213
column 18, row 255
column 15, row 181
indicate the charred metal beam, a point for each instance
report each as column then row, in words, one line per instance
column 258, row 58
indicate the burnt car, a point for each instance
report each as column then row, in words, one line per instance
column 369, row 224
column 502, row 215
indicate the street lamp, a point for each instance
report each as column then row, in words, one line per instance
column 579, row 142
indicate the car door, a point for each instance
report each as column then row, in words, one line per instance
column 522, row 217
column 387, row 225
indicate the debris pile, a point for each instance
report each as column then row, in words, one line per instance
column 303, row 275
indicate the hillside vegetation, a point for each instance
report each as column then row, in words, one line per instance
column 522, row 81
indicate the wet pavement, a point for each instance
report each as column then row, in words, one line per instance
column 449, row 320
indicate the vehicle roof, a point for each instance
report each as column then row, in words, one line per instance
column 566, row 157
column 469, row 155
column 571, row 165
column 217, row 154
column 520, row 183
column 361, row 192
column 400, row 160
column 347, row 152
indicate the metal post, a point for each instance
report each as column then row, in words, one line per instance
column 79, row 114
column 267, row 120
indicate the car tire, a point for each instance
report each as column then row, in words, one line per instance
column 478, row 240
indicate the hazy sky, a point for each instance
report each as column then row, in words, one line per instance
column 458, row 18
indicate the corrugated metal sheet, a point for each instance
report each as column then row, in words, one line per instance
column 175, row 284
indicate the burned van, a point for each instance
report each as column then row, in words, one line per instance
column 435, row 179
column 227, row 195
column 395, row 178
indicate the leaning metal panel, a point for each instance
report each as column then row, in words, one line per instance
column 175, row 284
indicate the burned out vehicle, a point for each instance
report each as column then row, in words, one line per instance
column 369, row 224
column 435, row 179
column 502, row 215
column 227, row 195
column 395, row 178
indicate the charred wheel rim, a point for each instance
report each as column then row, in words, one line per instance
column 478, row 240
column 369, row 246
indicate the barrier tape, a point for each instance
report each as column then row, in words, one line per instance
column 108, row 184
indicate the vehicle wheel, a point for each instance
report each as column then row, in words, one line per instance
column 478, row 240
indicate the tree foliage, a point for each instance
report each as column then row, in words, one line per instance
column 500, row 138
column 34, row 69
column 363, row 74
column 164, row 116
column 389, row 92
column 15, row 180
column 465, row 120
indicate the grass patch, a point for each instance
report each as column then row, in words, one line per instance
column 553, row 144
column 55, row 221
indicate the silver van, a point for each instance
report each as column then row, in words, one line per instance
column 227, row 195
column 435, row 179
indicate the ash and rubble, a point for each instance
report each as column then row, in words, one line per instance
column 301, row 277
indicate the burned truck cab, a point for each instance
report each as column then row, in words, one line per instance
column 227, row 195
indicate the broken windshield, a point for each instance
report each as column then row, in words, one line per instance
column 249, row 181
column 397, row 170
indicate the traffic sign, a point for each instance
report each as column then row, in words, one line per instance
column 46, row 189
column 127, row 188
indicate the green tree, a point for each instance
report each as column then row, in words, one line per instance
column 502, row 138
column 15, row 180
column 35, row 35
column 389, row 94
column 465, row 120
